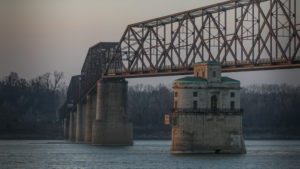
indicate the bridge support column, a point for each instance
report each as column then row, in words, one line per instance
column 111, row 126
column 74, row 126
column 66, row 128
column 98, row 101
column 80, row 122
column 89, row 117
column 71, row 125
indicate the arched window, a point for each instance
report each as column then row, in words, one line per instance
column 214, row 102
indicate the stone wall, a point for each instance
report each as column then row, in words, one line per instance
column 207, row 133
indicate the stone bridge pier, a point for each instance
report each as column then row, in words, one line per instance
column 101, row 117
column 70, row 125
column 80, row 122
column 111, row 126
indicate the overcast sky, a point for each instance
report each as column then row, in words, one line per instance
column 39, row 36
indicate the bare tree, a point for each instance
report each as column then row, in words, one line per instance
column 58, row 80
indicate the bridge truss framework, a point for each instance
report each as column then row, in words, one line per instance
column 241, row 34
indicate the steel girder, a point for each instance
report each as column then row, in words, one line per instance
column 241, row 34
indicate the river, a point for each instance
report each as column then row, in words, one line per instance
column 145, row 154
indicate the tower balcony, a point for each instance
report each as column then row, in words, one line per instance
column 177, row 111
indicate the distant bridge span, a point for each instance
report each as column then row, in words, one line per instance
column 241, row 34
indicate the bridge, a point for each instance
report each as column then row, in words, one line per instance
column 243, row 35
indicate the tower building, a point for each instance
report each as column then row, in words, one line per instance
column 207, row 117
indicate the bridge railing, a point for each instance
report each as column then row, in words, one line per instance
column 205, row 111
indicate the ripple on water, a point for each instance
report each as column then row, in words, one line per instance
column 147, row 154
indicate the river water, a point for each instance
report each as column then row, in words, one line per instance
column 145, row 154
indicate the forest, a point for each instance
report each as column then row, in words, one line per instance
column 29, row 109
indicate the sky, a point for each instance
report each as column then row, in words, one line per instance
column 39, row 36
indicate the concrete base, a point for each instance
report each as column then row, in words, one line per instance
column 207, row 133
column 109, row 133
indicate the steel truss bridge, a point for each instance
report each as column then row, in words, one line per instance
column 241, row 34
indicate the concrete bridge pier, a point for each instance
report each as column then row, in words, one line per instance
column 80, row 122
column 72, row 126
column 90, row 115
column 111, row 126
column 66, row 128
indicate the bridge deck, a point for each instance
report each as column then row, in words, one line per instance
column 183, row 71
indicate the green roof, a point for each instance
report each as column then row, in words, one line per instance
column 208, row 63
column 191, row 79
column 229, row 80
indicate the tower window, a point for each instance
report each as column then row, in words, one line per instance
column 195, row 94
column 232, row 105
column 232, row 94
column 175, row 104
column 195, row 104
column 175, row 94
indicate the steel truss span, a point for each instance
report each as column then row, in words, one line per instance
column 241, row 34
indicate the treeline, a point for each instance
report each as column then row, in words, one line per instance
column 147, row 106
column 30, row 108
column 270, row 111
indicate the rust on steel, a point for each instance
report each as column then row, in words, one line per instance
column 241, row 34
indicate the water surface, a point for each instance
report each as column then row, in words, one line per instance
column 149, row 154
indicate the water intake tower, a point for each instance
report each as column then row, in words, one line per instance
column 207, row 117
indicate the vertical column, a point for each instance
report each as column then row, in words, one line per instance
column 98, row 115
column 79, row 125
column 88, row 124
column 78, row 121
column 90, row 116
column 98, row 118
column 74, row 126
column 66, row 130
column 71, row 125
column 87, row 120
column 112, row 126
